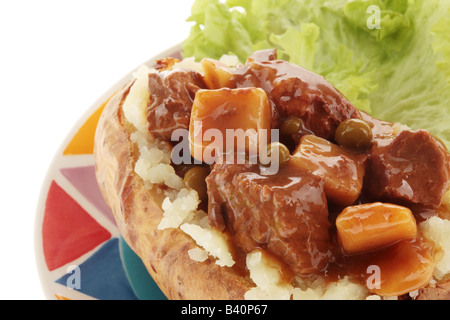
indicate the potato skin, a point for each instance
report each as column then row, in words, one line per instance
column 137, row 211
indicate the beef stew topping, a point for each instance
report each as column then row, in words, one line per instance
column 297, row 92
column 292, row 214
column 171, row 98
column 412, row 167
column 269, row 212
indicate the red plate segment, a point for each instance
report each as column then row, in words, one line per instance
column 68, row 230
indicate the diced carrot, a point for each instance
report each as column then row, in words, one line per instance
column 369, row 227
column 217, row 75
column 226, row 120
column 342, row 172
column 402, row 268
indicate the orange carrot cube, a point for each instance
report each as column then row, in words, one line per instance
column 342, row 172
column 226, row 120
column 369, row 227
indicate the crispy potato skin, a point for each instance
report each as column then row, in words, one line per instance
column 137, row 210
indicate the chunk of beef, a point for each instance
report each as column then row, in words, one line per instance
column 165, row 63
column 285, row 213
column 297, row 92
column 171, row 98
column 411, row 167
column 382, row 131
column 440, row 292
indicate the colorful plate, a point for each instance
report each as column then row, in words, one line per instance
column 80, row 253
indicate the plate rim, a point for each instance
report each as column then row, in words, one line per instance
column 43, row 272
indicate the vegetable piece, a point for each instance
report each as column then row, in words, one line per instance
column 229, row 121
column 195, row 179
column 354, row 134
column 402, row 268
column 217, row 74
column 342, row 172
column 291, row 126
column 369, row 227
column 283, row 152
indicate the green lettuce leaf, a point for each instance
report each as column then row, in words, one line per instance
column 392, row 16
column 299, row 45
column 396, row 67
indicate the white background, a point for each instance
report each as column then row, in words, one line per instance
column 57, row 57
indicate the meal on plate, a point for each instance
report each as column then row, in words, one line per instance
column 261, row 180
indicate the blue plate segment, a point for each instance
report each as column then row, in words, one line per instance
column 140, row 280
column 102, row 275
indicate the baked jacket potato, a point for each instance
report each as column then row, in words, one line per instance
column 355, row 208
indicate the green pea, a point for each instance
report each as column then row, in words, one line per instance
column 291, row 126
column 354, row 134
column 283, row 152
column 195, row 179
